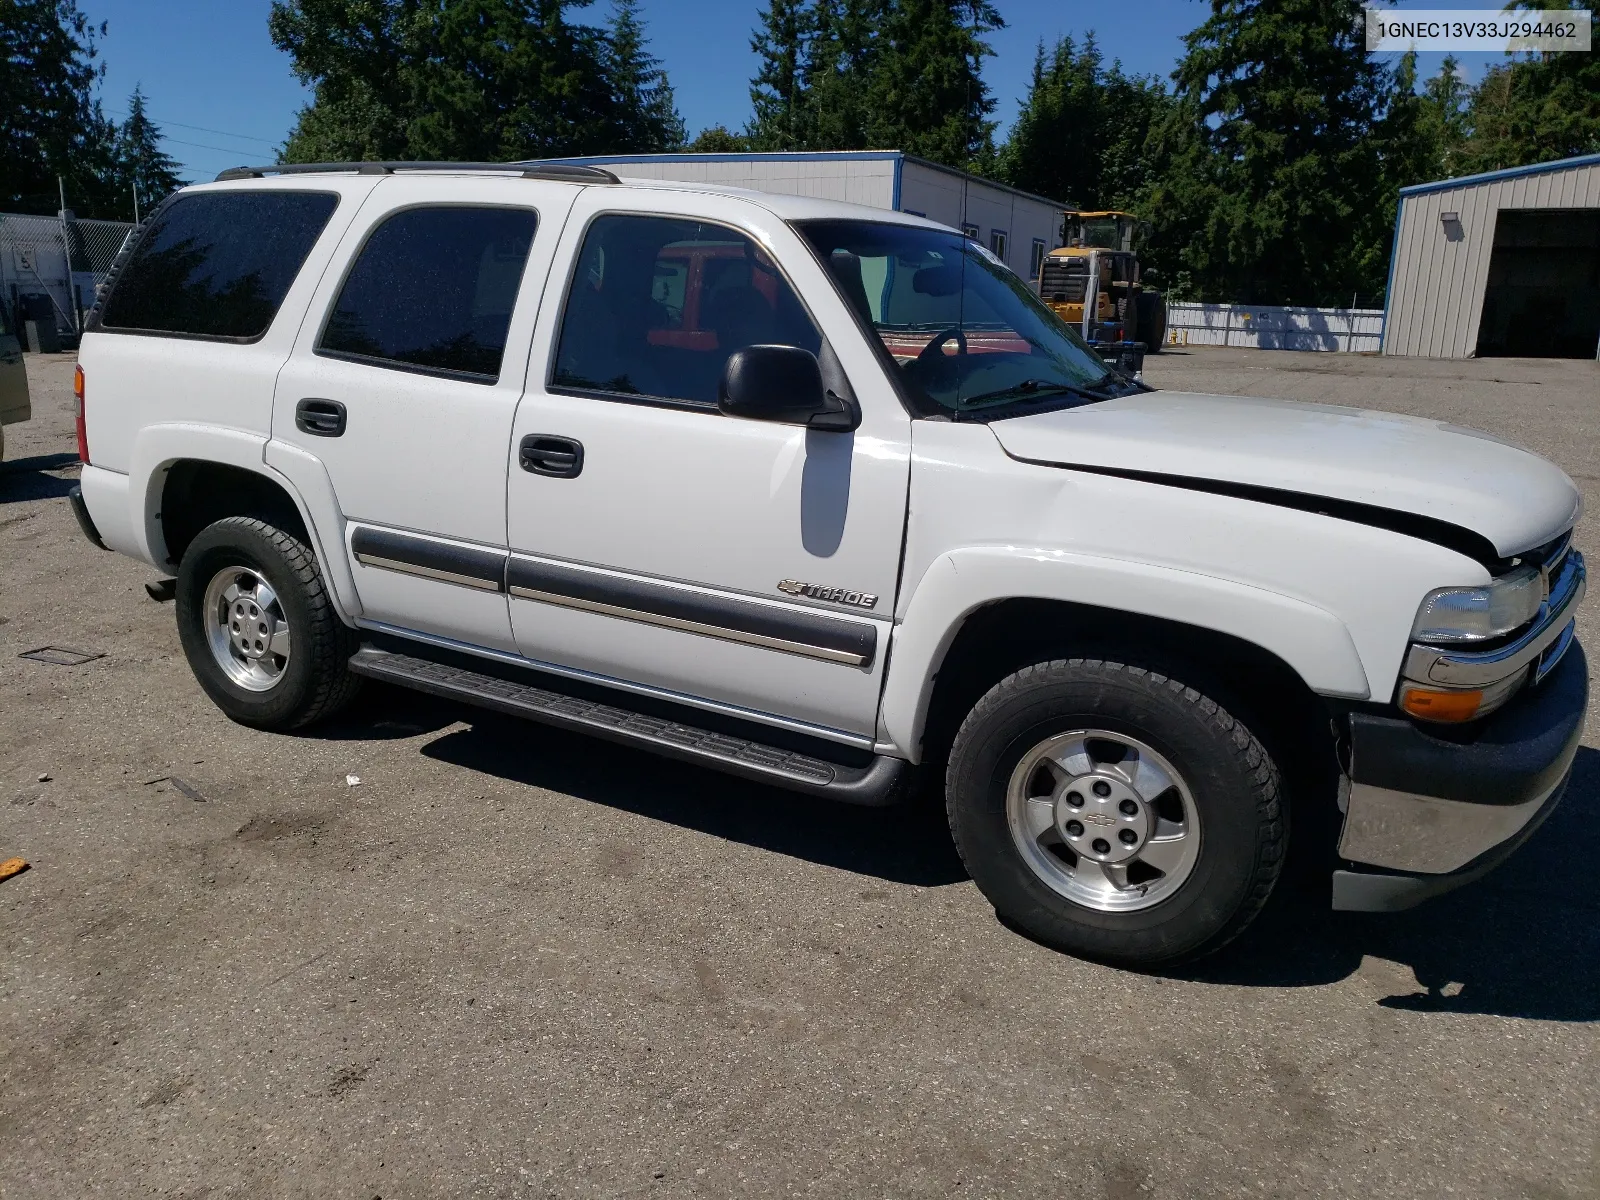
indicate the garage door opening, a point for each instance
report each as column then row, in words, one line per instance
column 1543, row 296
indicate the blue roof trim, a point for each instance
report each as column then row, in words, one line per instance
column 899, row 172
column 1445, row 185
column 780, row 156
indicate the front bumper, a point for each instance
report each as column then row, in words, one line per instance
column 1425, row 814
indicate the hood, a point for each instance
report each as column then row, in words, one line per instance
column 1279, row 451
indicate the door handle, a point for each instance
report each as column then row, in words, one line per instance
column 320, row 418
column 547, row 454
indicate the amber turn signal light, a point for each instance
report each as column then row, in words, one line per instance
column 1430, row 705
column 83, row 432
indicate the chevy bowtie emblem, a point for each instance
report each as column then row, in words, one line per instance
column 816, row 591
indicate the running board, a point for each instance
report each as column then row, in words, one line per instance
column 874, row 785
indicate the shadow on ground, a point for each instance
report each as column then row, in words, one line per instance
column 1523, row 942
column 905, row 844
column 29, row 478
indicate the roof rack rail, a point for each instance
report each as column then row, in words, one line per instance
column 528, row 170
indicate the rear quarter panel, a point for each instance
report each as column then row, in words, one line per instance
column 133, row 381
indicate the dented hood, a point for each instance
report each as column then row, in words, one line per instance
column 1280, row 451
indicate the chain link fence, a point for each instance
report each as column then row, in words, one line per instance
column 50, row 271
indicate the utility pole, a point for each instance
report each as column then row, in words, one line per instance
column 65, row 218
column 135, row 186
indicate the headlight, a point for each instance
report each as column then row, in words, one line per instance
column 1476, row 614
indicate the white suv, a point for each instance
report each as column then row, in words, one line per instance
column 818, row 494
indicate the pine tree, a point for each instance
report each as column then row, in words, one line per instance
column 1272, row 187
column 846, row 42
column 51, row 122
column 360, row 61
column 778, row 92
column 647, row 119
column 1446, row 117
column 1081, row 130
column 470, row 79
column 927, row 95
column 142, row 167
column 1539, row 108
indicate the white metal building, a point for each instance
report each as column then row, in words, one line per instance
column 1505, row 263
column 1018, row 226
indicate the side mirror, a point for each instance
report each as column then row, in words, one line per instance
column 783, row 384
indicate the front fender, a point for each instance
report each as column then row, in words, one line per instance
column 158, row 447
column 1312, row 641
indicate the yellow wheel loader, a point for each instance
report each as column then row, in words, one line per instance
column 1127, row 319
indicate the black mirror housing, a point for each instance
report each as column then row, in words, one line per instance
column 782, row 384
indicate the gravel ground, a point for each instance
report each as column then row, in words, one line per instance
column 512, row 962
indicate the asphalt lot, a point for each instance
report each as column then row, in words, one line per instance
column 515, row 962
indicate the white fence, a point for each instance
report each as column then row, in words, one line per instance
column 1357, row 330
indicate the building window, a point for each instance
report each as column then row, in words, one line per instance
column 1036, row 259
column 997, row 243
column 970, row 230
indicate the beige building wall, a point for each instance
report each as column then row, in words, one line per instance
column 1440, row 273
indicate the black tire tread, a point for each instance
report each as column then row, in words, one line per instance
column 332, row 642
column 1271, row 845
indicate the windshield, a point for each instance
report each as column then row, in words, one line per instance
column 967, row 334
column 1102, row 232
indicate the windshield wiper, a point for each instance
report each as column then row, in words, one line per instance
column 1034, row 389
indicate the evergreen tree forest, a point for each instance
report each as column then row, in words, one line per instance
column 54, row 134
column 1267, row 163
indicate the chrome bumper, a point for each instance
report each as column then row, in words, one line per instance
column 1424, row 834
column 1424, row 814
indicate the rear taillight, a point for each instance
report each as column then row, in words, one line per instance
column 83, row 434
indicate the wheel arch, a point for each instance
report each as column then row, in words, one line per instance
column 196, row 475
column 979, row 615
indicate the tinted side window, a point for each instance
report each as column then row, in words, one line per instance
column 217, row 264
column 433, row 289
column 657, row 305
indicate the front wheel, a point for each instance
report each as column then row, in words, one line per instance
column 1114, row 812
column 258, row 627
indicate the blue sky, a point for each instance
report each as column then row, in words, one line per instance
column 224, row 96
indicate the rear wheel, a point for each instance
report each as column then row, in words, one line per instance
column 259, row 628
column 1114, row 812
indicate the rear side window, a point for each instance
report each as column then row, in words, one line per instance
column 433, row 290
column 217, row 264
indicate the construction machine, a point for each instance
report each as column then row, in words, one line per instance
column 1097, row 257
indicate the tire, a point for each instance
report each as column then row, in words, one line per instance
column 1191, row 896
column 311, row 680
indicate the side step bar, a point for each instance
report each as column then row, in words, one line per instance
column 875, row 785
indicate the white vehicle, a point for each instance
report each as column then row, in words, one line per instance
column 818, row 495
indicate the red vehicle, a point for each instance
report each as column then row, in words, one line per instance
column 692, row 282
